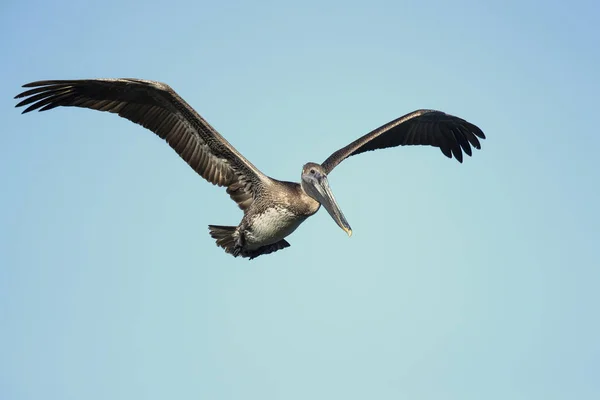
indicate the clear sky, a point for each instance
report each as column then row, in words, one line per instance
column 461, row 281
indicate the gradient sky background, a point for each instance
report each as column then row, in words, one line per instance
column 473, row 281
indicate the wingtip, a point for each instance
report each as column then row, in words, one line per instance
column 20, row 105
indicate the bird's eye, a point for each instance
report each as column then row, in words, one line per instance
column 312, row 171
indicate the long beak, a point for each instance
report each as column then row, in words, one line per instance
column 327, row 199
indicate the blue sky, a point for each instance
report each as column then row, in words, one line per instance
column 461, row 281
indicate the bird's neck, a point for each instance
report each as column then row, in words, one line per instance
column 310, row 205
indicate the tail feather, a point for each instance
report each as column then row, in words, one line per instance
column 227, row 238
column 224, row 236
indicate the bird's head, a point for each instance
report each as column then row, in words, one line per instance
column 315, row 184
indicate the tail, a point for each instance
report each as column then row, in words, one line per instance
column 224, row 236
column 227, row 238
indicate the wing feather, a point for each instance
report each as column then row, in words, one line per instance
column 159, row 108
column 452, row 135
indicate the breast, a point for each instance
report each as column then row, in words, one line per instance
column 270, row 226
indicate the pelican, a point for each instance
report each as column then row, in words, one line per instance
column 272, row 209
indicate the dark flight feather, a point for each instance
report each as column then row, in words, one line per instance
column 451, row 134
column 159, row 108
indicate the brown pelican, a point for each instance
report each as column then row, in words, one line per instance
column 272, row 209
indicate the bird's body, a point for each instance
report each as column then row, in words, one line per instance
column 272, row 209
column 274, row 215
column 277, row 215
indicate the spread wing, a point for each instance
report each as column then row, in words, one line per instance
column 157, row 107
column 451, row 134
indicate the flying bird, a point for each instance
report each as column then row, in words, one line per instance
column 273, row 209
